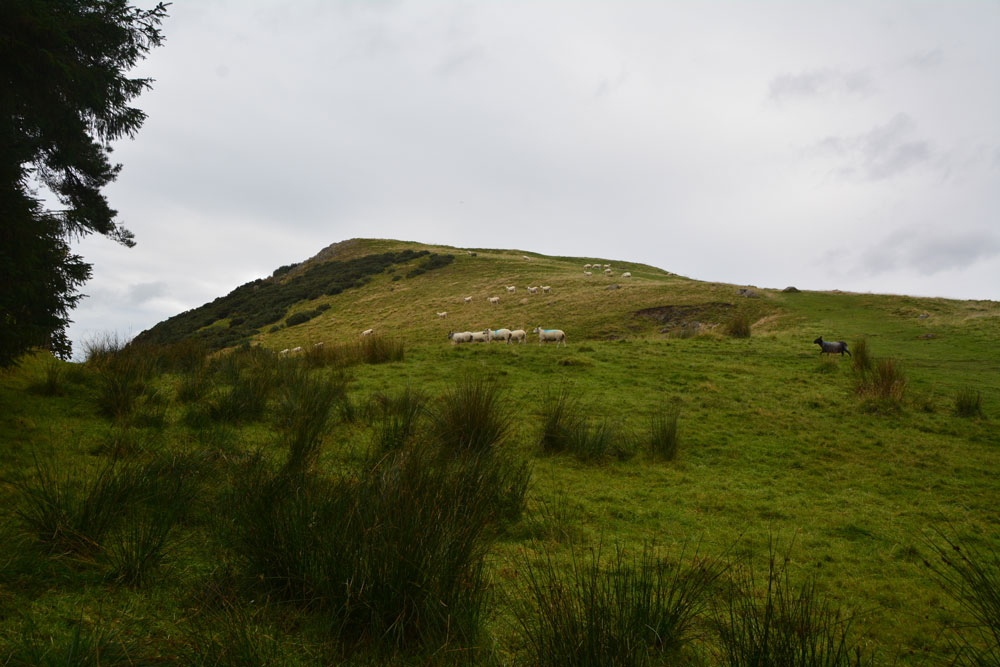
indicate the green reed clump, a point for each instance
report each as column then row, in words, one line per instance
column 738, row 326
column 968, row 402
column 970, row 576
column 883, row 386
column 471, row 416
column 302, row 415
column 661, row 440
column 861, row 359
column 562, row 417
column 235, row 636
column 776, row 623
column 123, row 371
column 83, row 646
column 53, row 381
column 380, row 349
column 624, row 610
column 397, row 418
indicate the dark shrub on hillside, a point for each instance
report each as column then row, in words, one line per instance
column 299, row 318
column 739, row 326
column 323, row 307
column 968, row 403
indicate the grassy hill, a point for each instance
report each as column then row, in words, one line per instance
column 852, row 478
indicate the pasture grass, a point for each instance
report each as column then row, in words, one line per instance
column 773, row 445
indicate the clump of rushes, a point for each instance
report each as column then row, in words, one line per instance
column 739, row 326
column 662, row 440
column 471, row 416
column 861, row 360
column 630, row 610
column 379, row 350
column 968, row 402
column 776, row 623
column 971, row 577
column 303, row 413
column 883, row 386
column 53, row 381
column 561, row 417
column 123, row 371
column 599, row 441
column 397, row 418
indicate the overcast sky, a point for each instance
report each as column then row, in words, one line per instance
column 827, row 145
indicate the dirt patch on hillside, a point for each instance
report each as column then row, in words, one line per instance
column 675, row 316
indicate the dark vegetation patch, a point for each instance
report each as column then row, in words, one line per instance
column 265, row 301
column 677, row 316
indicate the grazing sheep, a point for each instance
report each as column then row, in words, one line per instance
column 511, row 288
column 586, row 266
column 457, row 337
column 627, row 274
column 607, row 272
column 479, row 337
column 318, row 346
column 526, row 257
column 498, row 334
column 283, row 353
column 518, row 336
column 296, row 350
column 607, row 266
column 827, row 347
column 367, row 332
column 550, row 335
column 443, row 314
column 467, row 299
column 546, row 289
column 532, row 290
column 493, row 299
column 587, row 273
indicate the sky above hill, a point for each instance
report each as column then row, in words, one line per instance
column 828, row 145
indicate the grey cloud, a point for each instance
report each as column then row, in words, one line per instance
column 143, row 292
column 882, row 152
column 926, row 60
column 820, row 83
column 929, row 251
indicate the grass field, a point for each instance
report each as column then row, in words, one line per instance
column 147, row 500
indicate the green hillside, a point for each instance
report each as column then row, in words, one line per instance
column 293, row 480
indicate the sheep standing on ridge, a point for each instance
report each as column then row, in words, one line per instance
column 828, row 347
column 550, row 336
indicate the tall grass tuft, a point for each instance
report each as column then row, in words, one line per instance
column 775, row 623
column 662, row 441
column 971, row 577
column 236, row 636
column 247, row 396
column 392, row 556
column 471, row 416
column 123, row 370
column 739, row 326
column 968, row 402
column 883, row 386
column 379, row 350
column 562, row 416
column 303, row 413
column 397, row 418
column 53, row 380
column 599, row 441
column 861, row 359
column 193, row 385
column 627, row 611
column 85, row 646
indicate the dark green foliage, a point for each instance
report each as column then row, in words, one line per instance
column 882, row 386
column 739, row 326
column 968, row 402
column 626, row 611
column 565, row 428
column 435, row 261
column 300, row 317
column 53, row 381
column 971, row 577
column 123, row 370
column 234, row 636
column 662, row 442
column 193, row 385
column 264, row 301
column 471, row 416
column 57, row 138
column 323, row 307
column 83, row 646
column 397, row 417
column 776, row 623
column 380, row 350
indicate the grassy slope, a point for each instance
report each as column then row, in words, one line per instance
column 773, row 439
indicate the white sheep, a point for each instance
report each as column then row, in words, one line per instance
column 607, row 266
column 443, row 314
column 546, row 289
column 518, row 336
column 532, row 290
column 607, row 272
column 457, row 337
column 295, row 350
column 511, row 288
column 467, row 299
column 498, row 334
column 318, row 346
column 367, row 332
column 479, row 337
column 627, row 274
column 550, row 335
column 493, row 299
column 587, row 273
column 283, row 353
column 586, row 266
column 525, row 257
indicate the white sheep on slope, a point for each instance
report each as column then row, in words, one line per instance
column 498, row 334
column 367, row 332
column 518, row 336
column 627, row 274
column 443, row 314
column 493, row 299
column 550, row 336
column 457, row 337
